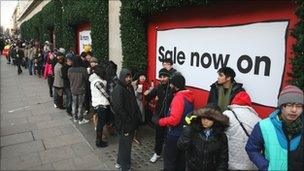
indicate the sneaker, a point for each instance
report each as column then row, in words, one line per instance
column 154, row 158
column 55, row 106
column 75, row 120
column 85, row 113
column 117, row 166
column 101, row 144
column 83, row 121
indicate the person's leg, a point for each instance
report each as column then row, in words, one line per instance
column 170, row 155
column 68, row 103
column 80, row 106
column 100, row 123
column 56, row 96
column 74, row 107
column 124, row 150
column 50, row 81
column 159, row 139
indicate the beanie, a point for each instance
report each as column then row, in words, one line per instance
column 164, row 72
column 291, row 94
column 178, row 81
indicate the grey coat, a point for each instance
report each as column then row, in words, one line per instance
column 58, row 81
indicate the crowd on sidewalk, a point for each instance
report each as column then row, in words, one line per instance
column 226, row 134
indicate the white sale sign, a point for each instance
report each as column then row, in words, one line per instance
column 84, row 39
column 255, row 51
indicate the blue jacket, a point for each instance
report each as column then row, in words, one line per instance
column 255, row 144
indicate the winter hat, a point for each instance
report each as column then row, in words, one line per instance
column 164, row 72
column 242, row 99
column 291, row 94
column 178, row 81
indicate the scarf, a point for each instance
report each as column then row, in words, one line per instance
column 293, row 128
column 223, row 98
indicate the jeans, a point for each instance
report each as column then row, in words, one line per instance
column 58, row 97
column 50, row 80
column 31, row 66
column 160, row 134
column 174, row 159
column 77, row 106
column 101, row 112
column 68, row 99
column 124, row 150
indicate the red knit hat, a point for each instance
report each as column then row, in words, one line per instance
column 242, row 99
column 291, row 94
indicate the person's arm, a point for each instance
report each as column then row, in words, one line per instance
column 222, row 159
column 176, row 113
column 102, row 88
column 255, row 147
column 118, row 105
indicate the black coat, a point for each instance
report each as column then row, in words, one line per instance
column 213, row 94
column 64, row 73
column 165, row 96
column 126, row 110
column 202, row 153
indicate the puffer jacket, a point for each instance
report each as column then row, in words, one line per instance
column 124, row 104
column 205, row 152
column 98, row 91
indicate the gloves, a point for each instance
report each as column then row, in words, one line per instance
column 155, row 119
column 190, row 118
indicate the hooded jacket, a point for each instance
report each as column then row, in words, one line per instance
column 98, row 95
column 182, row 104
column 124, row 104
column 78, row 77
column 204, row 152
column 237, row 138
column 213, row 94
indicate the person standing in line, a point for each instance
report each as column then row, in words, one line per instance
column 66, row 82
column 18, row 55
column 100, row 101
column 277, row 142
column 181, row 105
column 242, row 119
column 78, row 76
column 224, row 89
column 49, row 72
column 164, row 95
column 58, row 82
column 127, row 117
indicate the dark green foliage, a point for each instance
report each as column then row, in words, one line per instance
column 63, row 16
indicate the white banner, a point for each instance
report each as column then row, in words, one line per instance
column 84, row 40
column 256, row 52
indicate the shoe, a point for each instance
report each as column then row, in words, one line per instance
column 95, row 128
column 55, row 106
column 117, row 166
column 154, row 158
column 83, row 121
column 75, row 120
column 101, row 144
column 85, row 113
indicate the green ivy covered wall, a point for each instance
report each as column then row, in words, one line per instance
column 133, row 20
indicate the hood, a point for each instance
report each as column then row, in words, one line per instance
column 242, row 98
column 188, row 94
column 93, row 77
column 123, row 74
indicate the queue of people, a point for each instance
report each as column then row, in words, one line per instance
column 226, row 134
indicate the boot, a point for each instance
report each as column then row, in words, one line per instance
column 99, row 142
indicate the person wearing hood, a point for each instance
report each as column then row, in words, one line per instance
column 181, row 105
column 224, row 90
column 277, row 142
column 204, row 141
column 242, row 119
column 100, row 101
column 127, row 117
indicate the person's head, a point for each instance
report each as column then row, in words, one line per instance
column 83, row 55
column 225, row 75
column 125, row 76
column 211, row 117
column 178, row 82
column 167, row 63
column 164, row 76
column 100, row 71
column 142, row 78
column 291, row 102
column 60, row 59
column 93, row 62
column 88, row 56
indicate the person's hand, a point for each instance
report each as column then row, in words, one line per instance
column 146, row 92
column 155, row 119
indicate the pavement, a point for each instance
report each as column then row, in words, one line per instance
column 37, row 136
